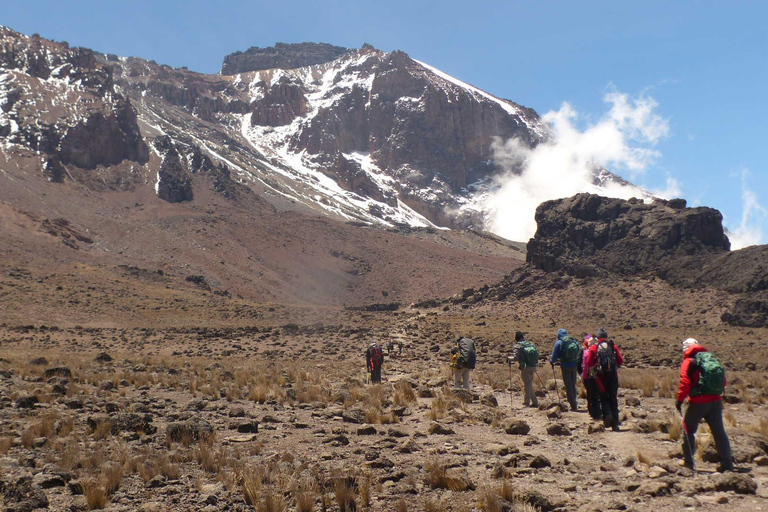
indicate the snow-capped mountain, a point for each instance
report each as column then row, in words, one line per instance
column 360, row 135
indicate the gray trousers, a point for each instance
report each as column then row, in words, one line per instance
column 530, row 398
column 569, row 381
column 712, row 413
column 461, row 378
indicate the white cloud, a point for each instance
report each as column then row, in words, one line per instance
column 621, row 141
column 753, row 218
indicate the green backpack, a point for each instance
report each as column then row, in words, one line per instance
column 571, row 352
column 529, row 356
column 711, row 375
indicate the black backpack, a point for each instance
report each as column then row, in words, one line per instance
column 606, row 358
column 467, row 355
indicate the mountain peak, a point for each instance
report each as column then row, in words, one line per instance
column 282, row 56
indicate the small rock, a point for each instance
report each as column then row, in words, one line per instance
column 354, row 416
column 632, row 401
column 736, row 482
column 440, row 429
column 489, row 400
column 558, row 429
column 761, row 461
column 249, row 427
column 540, row 461
column 366, row 430
column 26, row 402
column 595, row 428
column 656, row 472
column 39, row 361
column 237, row 412
column 517, row 427
column 59, row 371
column 103, row 357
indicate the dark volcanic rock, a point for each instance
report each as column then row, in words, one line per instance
column 284, row 56
column 190, row 430
column 173, row 183
column 588, row 235
column 23, row 496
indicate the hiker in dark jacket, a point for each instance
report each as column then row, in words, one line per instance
column 602, row 355
column 706, row 406
column 527, row 368
column 374, row 358
column 465, row 363
column 568, row 364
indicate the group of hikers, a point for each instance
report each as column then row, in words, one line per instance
column 597, row 361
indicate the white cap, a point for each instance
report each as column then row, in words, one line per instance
column 689, row 343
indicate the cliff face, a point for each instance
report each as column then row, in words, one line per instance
column 282, row 56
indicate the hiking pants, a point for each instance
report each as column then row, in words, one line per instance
column 593, row 399
column 376, row 375
column 528, row 374
column 609, row 399
column 712, row 413
column 569, row 381
column 461, row 378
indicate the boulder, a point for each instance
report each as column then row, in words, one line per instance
column 737, row 482
column 517, row 427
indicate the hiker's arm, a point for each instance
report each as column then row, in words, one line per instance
column 619, row 357
column 685, row 380
column 555, row 352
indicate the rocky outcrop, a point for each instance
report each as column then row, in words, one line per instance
column 283, row 102
column 588, row 235
column 283, row 56
column 104, row 138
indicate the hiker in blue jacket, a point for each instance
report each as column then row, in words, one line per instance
column 568, row 351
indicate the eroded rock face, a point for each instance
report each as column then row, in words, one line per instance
column 284, row 56
column 588, row 235
column 284, row 102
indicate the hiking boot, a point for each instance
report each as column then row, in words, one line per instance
column 616, row 428
column 608, row 421
column 723, row 469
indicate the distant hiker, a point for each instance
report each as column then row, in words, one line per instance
column 568, row 351
column 527, row 357
column 590, row 385
column 390, row 347
column 399, row 347
column 465, row 362
column 702, row 382
column 454, row 362
column 603, row 362
column 374, row 358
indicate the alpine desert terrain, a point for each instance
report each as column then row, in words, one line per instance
column 192, row 266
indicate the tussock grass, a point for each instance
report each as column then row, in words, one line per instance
column 437, row 477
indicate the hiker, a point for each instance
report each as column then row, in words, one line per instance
column 454, row 361
column 390, row 347
column 590, row 385
column 374, row 358
column 567, row 350
column 603, row 362
column 527, row 357
column 465, row 362
column 702, row 382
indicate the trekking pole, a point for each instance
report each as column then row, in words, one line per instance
column 511, row 403
column 687, row 441
column 557, row 392
column 541, row 381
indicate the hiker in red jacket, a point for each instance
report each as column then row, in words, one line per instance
column 702, row 381
column 603, row 361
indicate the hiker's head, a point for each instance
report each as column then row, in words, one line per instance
column 587, row 340
column 561, row 333
column 602, row 333
column 519, row 336
column 689, row 343
column 454, row 350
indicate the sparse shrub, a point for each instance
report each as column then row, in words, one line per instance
column 404, row 394
column 251, row 485
column 6, row 443
column 95, row 494
column 642, row 457
column 438, row 478
column 344, row 491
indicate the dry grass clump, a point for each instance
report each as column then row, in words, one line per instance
column 95, row 494
column 47, row 427
column 404, row 394
column 438, row 408
column 438, row 478
column 648, row 381
column 6, row 442
column 344, row 489
column 761, row 427
column 675, row 427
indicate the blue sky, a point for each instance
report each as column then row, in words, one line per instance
column 702, row 62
